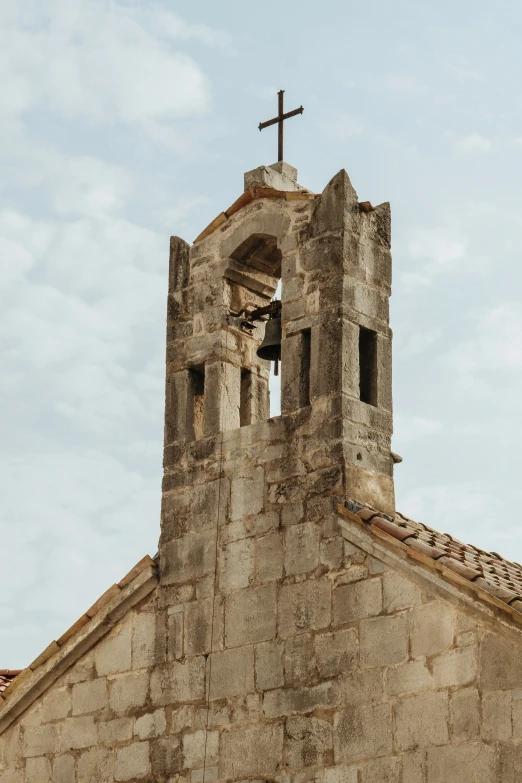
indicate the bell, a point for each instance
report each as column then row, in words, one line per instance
column 270, row 348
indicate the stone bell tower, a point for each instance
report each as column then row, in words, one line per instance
column 228, row 466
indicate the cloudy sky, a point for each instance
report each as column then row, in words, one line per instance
column 122, row 123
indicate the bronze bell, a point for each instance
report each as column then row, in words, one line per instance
column 270, row 348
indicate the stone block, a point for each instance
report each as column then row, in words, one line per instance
column 166, row 758
column 362, row 687
column 150, row 725
column 302, row 548
column 254, row 751
column 96, row 765
column 129, row 691
column 113, row 654
column 64, row 769
column 517, row 715
column 247, row 493
column 409, row 677
column 336, row 652
column 38, row 770
column 132, row 762
column 357, row 601
column 269, row 665
column 89, row 696
column 143, row 640
column 251, row 615
column 399, row 593
column 299, row 660
column 236, row 565
column 422, row 720
column 383, row 640
column 500, row 663
column 362, row 732
column 465, row 714
column 331, row 552
column 56, row 705
column 39, row 740
column 431, row 629
column 510, row 764
column 232, row 672
column 455, row 667
column 496, row 716
column 78, row 733
column 288, row 701
column 190, row 557
column 117, row 730
column 385, row 770
column 269, row 557
column 177, row 682
column 175, row 629
column 413, row 766
column 198, row 627
column 462, row 764
column 342, row 773
column 200, row 748
column 304, row 606
column 307, row 740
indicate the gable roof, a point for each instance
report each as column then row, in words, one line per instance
column 488, row 571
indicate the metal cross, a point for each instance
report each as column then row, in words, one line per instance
column 280, row 119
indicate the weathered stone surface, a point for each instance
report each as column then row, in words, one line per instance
column 496, row 716
column 251, row 616
column 461, row 764
column 269, row 557
column 500, row 663
column 410, row 677
column 302, row 548
column 152, row 724
column 384, row 640
column 455, row 667
column 422, row 720
column 64, row 769
column 178, row 682
column 269, row 665
column 362, row 732
column 143, row 640
column 114, row 653
column 399, row 593
column 304, row 606
column 90, row 696
column 40, row 740
column 132, row 762
column 307, row 740
column 116, row 730
column 128, row 691
column 336, row 652
column 289, row 701
column 384, row 770
column 56, row 705
column 465, row 714
column 300, row 662
column 357, row 601
column 96, row 764
column 237, row 563
column 431, row 629
column 247, row 493
column 364, row 687
column 255, row 751
column 77, row 733
column 189, row 557
column 38, row 770
column 232, row 672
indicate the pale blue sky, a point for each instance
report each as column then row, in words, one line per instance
column 124, row 123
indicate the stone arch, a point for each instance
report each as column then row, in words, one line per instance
column 253, row 250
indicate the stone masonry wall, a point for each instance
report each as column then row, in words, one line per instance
column 344, row 672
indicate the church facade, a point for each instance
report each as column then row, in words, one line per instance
column 293, row 627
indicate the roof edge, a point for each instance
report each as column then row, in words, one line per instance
column 370, row 537
column 63, row 653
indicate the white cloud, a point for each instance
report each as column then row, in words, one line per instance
column 93, row 59
column 472, row 144
column 433, row 251
column 343, row 127
column 495, row 345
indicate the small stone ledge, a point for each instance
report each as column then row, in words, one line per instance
column 60, row 655
column 376, row 542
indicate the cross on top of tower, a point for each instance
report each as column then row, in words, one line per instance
column 281, row 117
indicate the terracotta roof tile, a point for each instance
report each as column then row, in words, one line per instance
column 6, row 677
column 499, row 577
